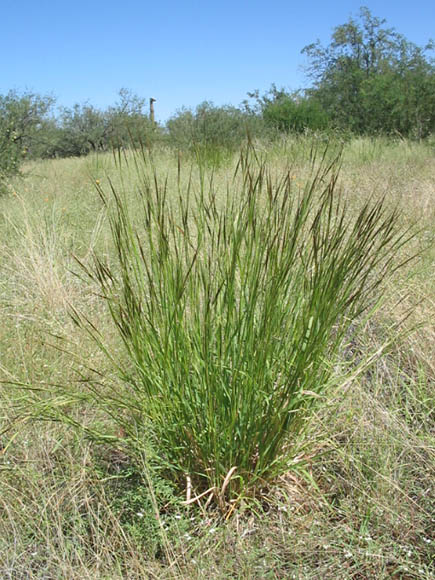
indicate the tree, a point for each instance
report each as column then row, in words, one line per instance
column 129, row 123
column 22, row 119
column 288, row 111
column 82, row 129
column 211, row 126
column 371, row 79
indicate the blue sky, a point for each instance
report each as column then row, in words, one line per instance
column 180, row 53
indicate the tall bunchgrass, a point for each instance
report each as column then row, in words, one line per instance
column 232, row 311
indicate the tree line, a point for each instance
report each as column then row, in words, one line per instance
column 369, row 80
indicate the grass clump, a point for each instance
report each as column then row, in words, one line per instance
column 232, row 311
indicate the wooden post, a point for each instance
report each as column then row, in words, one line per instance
column 152, row 118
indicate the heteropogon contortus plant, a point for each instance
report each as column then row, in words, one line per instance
column 232, row 310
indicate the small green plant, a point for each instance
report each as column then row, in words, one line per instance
column 232, row 312
column 145, row 513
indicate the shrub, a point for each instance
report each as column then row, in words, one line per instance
column 290, row 114
column 130, row 125
column 22, row 117
column 211, row 132
column 84, row 129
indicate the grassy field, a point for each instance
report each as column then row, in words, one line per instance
column 362, row 505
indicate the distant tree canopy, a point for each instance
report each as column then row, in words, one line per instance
column 370, row 79
column 84, row 128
